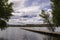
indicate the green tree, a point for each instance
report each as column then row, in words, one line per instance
column 5, row 12
column 55, row 4
column 46, row 17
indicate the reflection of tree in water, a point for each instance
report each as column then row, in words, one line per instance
column 51, row 38
column 29, row 37
column 3, row 39
column 3, row 24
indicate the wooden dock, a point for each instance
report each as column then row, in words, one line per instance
column 54, row 34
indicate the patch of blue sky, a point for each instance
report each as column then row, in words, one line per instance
column 45, row 0
column 29, row 3
column 46, row 7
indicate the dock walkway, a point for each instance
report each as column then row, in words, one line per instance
column 55, row 34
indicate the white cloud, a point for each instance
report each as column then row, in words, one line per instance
column 29, row 9
column 18, row 4
column 18, row 14
column 14, row 0
column 34, row 9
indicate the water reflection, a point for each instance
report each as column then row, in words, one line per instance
column 15, row 33
column 3, row 39
column 30, row 37
column 51, row 38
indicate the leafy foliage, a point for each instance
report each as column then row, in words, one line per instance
column 56, row 11
column 46, row 18
column 5, row 11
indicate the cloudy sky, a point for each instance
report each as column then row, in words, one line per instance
column 27, row 11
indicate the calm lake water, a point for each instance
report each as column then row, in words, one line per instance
column 16, row 33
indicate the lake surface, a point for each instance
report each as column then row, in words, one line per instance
column 16, row 33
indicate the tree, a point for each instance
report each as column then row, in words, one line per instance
column 5, row 12
column 55, row 4
column 46, row 18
